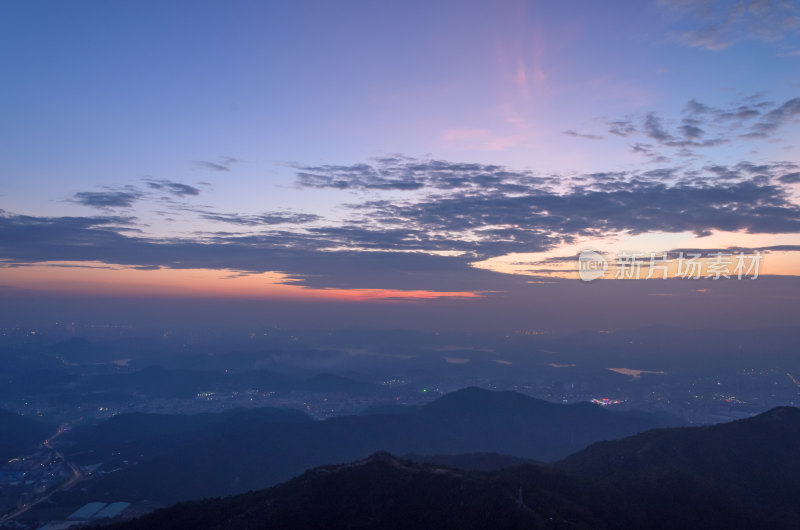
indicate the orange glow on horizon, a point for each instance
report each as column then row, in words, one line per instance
column 102, row 279
column 779, row 263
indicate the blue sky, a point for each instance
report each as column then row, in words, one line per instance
column 273, row 116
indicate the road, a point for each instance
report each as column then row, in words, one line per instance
column 76, row 477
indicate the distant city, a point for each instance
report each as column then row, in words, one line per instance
column 86, row 376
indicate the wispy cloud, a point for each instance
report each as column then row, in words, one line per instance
column 587, row 136
column 128, row 196
column 774, row 119
column 175, row 188
column 700, row 126
column 717, row 25
column 268, row 219
column 223, row 164
column 108, row 199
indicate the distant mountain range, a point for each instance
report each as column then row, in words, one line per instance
column 185, row 457
column 740, row 475
column 157, row 382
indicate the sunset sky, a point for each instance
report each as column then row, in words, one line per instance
column 398, row 162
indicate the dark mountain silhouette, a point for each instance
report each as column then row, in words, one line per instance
column 378, row 492
column 740, row 475
column 388, row 408
column 472, row 461
column 741, row 468
column 20, row 434
column 138, row 436
column 233, row 457
column 475, row 420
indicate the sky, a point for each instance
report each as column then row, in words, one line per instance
column 417, row 164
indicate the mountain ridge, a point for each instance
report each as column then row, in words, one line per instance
column 389, row 492
column 223, row 462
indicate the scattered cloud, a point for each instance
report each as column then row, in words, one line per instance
column 497, row 223
column 127, row 196
column 701, row 126
column 272, row 218
column 223, row 164
column 106, row 200
column 790, row 178
column 774, row 119
column 460, row 213
column 30, row 240
column 175, row 188
column 690, row 135
column 717, row 25
column 621, row 127
column 582, row 135
column 410, row 174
